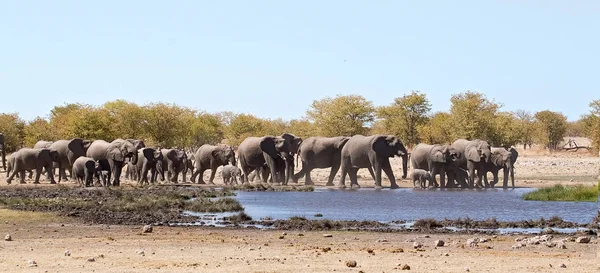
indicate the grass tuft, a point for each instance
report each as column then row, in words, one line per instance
column 578, row 193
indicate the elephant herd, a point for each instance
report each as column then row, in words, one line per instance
column 464, row 163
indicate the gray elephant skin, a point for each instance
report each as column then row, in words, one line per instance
column 422, row 176
column 85, row 168
column 68, row 150
column 212, row 157
column 32, row 159
column 112, row 156
column 372, row 151
column 475, row 154
column 230, row 174
column 502, row 159
column 294, row 146
column 3, row 151
column 320, row 153
column 434, row 158
column 175, row 161
column 149, row 160
column 254, row 152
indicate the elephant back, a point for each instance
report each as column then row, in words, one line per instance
column 42, row 144
column 98, row 149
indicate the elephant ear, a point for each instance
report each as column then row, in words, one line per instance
column 75, row 144
column 437, row 155
column 340, row 144
column 513, row 155
column 149, row 154
column 471, row 153
column 219, row 153
column 267, row 145
column 115, row 153
column 381, row 145
column 498, row 158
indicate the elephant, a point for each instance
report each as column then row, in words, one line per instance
column 68, row 150
column 32, row 159
column 422, row 176
column 3, row 151
column 476, row 153
column 320, row 152
column 175, row 160
column 295, row 143
column 372, row 151
column 149, row 159
column 189, row 166
column 502, row 159
column 85, row 168
column 434, row 158
column 230, row 174
column 212, row 157
column 254, row 152
column 112, row 156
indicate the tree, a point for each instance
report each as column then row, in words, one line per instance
column 526, row 124
column 206, row 129
column 472, row 115
column 62, row 119
column 550, row 128
column 12, row 126
column 405, row 115
column 242, row 126
column 506, row 130
column 342, row 115
column 128, row 118
column 94, row 123
column 591, row 124
column 36, row 130
column 168, row 125
column 302, row 128
column 437, row 130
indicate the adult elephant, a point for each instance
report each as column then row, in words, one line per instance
column 435, row 159
column 175, row 161
column 476, row 153
column 294, row 145
column 149, row 160
column 68, row 151
column 372, row 151
column 111, row 156
column 32, row 159
column 212, row 157
column 254, row 152
column 2, row 151
column 501, row 159
column 320, row 153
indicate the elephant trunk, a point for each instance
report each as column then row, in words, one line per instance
column 404, row 165
column 3, row 156
column 511, row 169
column 134, row 158
column 289, row 168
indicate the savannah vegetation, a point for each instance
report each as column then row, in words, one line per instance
column 579, row 193
column 471, row 115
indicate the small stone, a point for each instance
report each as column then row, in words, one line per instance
column 582, row 240
column 518, row 245
column 472, row 242
column 405, row 267
column 284, row 233
column 140, row 252
column 67, row 253
column 561, row 245
column 417, row 245
column 439, row 243
column 484, row 240
column 281, row 237
column 147, row 229
column 351, row 263
column 300, row 234
column 446, row 254
column 550, row 244
column 563, row 266
column 382, row 240
column 92, row 259
column 467, row 269
column 31, row 263
column 548, row 230
column 327, row 235
column 7, row 237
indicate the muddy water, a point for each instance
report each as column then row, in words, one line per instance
column 410, row 204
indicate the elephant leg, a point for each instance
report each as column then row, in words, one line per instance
column 48, row 169
column 22, row 178
column 265, row 174
column 201, row 175
column 38, row 173
column 504, row 179
column 480, row 173
column 213, row 172
column 353, row 174
column 377, row 169
column 300, row 174
column 62, row 174
column 471, row 168
column 345, row 167
column 387, row 168
column 370, row 168
column 335, row 167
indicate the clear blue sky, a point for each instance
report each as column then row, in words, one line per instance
column 232, row 55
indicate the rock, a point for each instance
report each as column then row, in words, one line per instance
column 351, row 263
column 548, row 230
column 446, row 254
column 284, row 233
column 467, row 269
column 31, row 263
column 483, row 240
column 300, row 234
column 147, row 229
column 67, row 253
column 7, row 237
column 405, row 267
column 417, row 245
column 472, row 242
column 550, row 244
column 439, row 243
column 563, row 266
column 140, row 252
column 561, row 245
column 518, row 245
column 92, row 259
column 327, row 235
column 382, row 240
column 582, row 240
column 281, row 237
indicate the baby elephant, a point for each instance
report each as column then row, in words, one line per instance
column 230, row 174
column 84, row 169
column 422, row 176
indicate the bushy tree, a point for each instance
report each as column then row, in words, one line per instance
column 437, row 130
column 302, row 128
column 472, row 115
column 342, row 115
column 62, row 119
column 591, row 124
column 12, row 126
column 405, row 115
column 168, row 125
column 128, row 119
column 526, row 124
column 206, row 129
column 506, row 131
column 36, row 130
column 94, row 123
column 242, row 126
column 550, row 128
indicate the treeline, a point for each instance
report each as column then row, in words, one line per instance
column 471, row 115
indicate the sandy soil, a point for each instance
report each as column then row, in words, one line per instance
column 45, row 239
